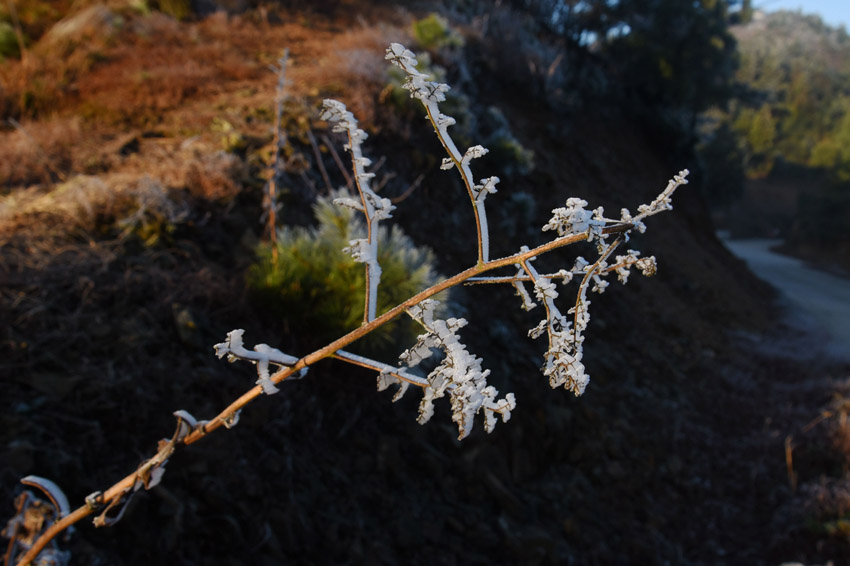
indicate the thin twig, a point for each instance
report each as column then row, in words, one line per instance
column 582, row 289
column 466, row 175
column 789, row 463
column 380, row 367
column 319, row 161
column 349, row 182
column 409, row 191
column 280, row 141
column 511, row 279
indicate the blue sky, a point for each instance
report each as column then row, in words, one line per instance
column 834, row 12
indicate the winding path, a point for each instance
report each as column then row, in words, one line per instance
column 816, row 301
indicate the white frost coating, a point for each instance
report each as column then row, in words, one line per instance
column 361, row 251
column 647, row 265
column 262, row 356
column 487, row 186
column 544, row 289
column 385, row 377
column 371, row 205
column 459, row 373
column 155, row 476
column 431, row 94
column 663, row 201
column 563, row 365
column 52, row 491
column 527, row 303
column 563, row 357
column 187, row 423
column 474, row 152
column 485, row 230
column 350, row 203
column 574, row 219
column 623, row 264
column 564, row 275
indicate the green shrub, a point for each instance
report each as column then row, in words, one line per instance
column 507, row 154
column 177, row 9
column 316, row 287
column 9, row 46
column 433, row 33
column 511, row 155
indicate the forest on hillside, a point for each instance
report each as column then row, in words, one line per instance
column 785, row 135
column 168, row 176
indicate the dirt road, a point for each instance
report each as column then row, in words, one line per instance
column 816, row 301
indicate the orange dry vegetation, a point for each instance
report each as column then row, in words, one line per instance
column 110, row 92
column 118, row 67
column 38, row 152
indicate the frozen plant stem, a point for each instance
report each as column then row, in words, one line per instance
column 459, row 375
column 430, row 94
column 373, row 207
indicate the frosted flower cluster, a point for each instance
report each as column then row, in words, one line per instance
column 562, row 364
column 563, row 358
column 575, row 219
column 622, row 266
column 459, row 374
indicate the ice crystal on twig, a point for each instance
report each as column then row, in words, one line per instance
column 574, row 219
column 371, row 205
column 459, row 373
column 563, row 356
column 431, row 94
column 262, row 356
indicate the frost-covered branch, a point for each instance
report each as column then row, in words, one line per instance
column 373, row 207
column 458, row 374
column 430, row 94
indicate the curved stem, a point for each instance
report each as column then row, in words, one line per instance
column 469, row 183
column 372, row 274
column 51, row 532
column 582, row 289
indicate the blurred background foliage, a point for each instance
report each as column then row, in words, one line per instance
column 311, row 283
column 783, row 135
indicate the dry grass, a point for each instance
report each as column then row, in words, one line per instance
column 135, row 72
column 151, row 183
column 37, row 152
column 353, row 69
